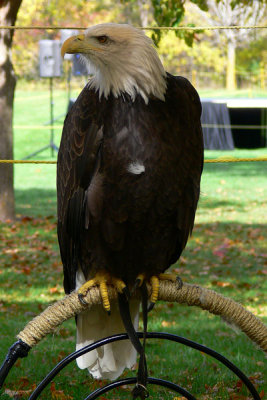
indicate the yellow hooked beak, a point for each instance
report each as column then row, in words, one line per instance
column 77, row 44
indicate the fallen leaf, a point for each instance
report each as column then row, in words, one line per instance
column 238, row 396
column 23, row 382
column 260, row 363
column 58, row 394
column 26, row 219
column 16, row 394
column 262, row 272
column 26, row 270
column 222, row 284
column 54, row 290
column 165, row 324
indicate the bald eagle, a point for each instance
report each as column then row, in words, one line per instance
column 128, row 179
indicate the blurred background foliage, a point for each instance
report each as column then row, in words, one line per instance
column 201, row 56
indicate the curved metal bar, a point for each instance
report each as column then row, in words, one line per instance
column 150, row 335
column 67, row 360
column 19, row 349
column 130, row 381
column 179, row 339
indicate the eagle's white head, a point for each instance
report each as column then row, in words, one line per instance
column 122, row 59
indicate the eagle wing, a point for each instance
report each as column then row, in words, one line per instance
column 78, row 161
column 192, row 161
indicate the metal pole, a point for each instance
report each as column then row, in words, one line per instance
column 51, row 117
column 69, row 79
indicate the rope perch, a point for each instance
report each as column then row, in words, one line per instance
column 192, row 295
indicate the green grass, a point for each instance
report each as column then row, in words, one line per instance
column 227, row 253
column 241, row 93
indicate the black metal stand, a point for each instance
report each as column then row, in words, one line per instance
column 69, row 80
column 18, row 350
column 151, row 381
column 51, row 144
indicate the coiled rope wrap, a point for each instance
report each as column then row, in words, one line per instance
column 192, row 295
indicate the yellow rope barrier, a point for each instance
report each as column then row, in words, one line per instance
column 246, row 127
column 37, row 126
column 211, row 160
column 233, row 159
column 26, row 162
column 151, row 28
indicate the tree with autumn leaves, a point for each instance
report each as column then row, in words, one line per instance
column 238, row 14
column 59, row 12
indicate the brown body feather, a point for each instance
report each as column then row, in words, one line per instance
column 110, row 218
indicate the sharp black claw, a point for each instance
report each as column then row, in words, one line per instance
column 81, row 299
column 151, row 306
column 179, row 282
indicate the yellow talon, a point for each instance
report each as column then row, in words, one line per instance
column 87, row 285
column 102, row 279
column 140, row 279
column 168, row 277
column 104, row 294
column 154, row 280
column 118, row 284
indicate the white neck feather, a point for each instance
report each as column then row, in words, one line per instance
column 133, row 67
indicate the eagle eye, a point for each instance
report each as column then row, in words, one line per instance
column 102, row 39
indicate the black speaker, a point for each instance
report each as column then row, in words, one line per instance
column 78, row 67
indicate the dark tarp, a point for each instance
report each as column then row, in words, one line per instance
column 216, row 137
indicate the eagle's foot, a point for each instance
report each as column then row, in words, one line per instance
column 173, row 278
column 102, row 279
column 138, row 282
column 154, row 281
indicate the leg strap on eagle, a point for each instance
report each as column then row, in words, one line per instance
column 140, row 390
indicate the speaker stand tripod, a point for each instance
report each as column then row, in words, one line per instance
column 51, row 144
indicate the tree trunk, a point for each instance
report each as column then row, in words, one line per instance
column 230, row 72
column 8, row 14
column 143, row 6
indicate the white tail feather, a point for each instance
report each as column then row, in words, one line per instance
column 109, row 361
